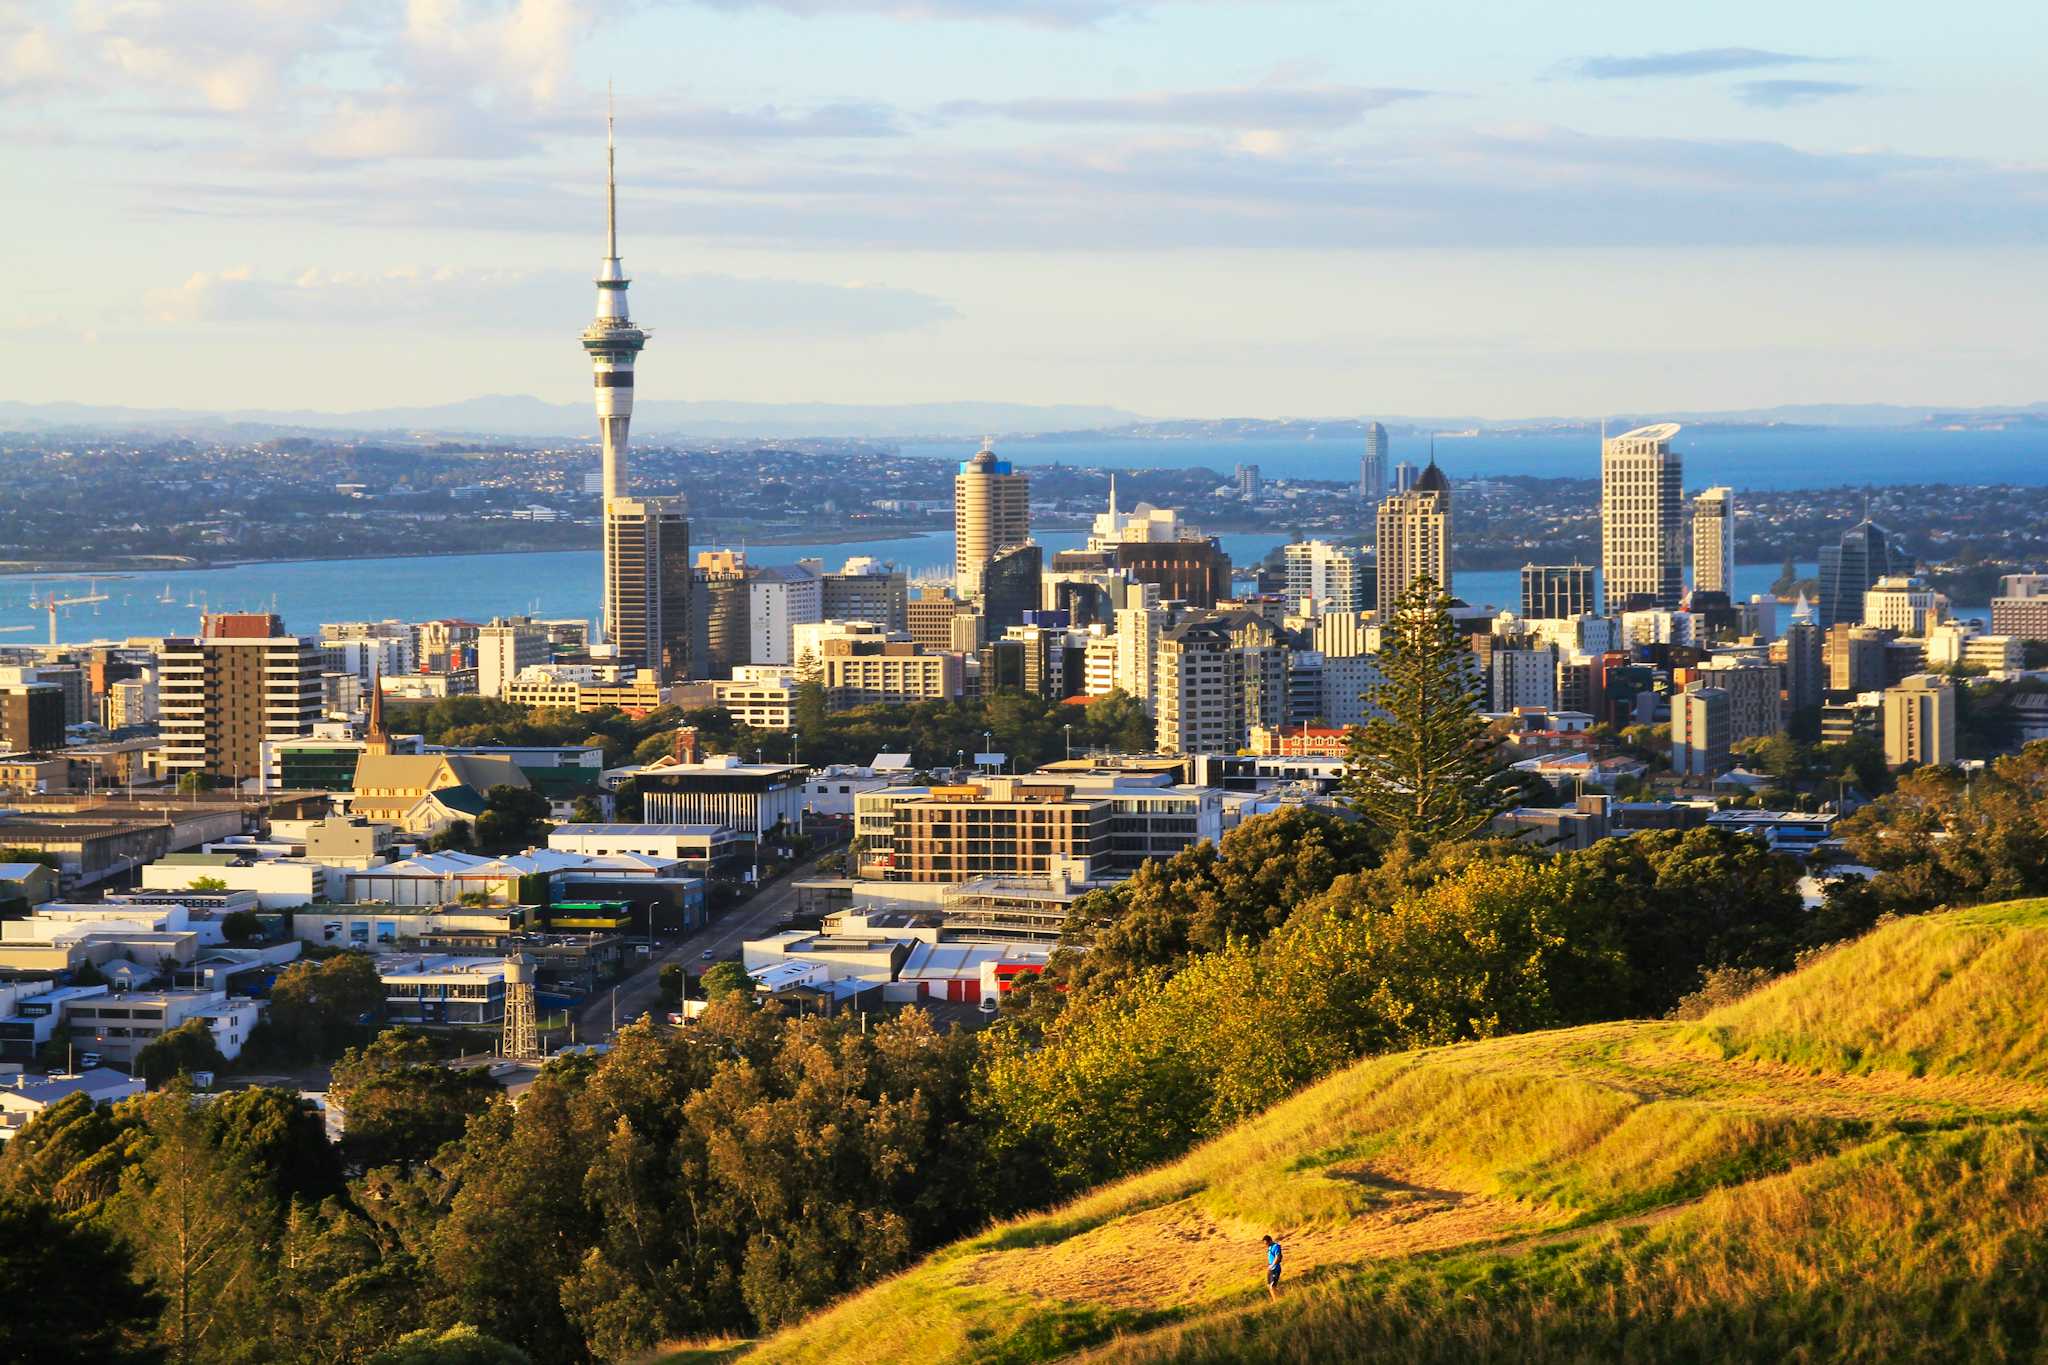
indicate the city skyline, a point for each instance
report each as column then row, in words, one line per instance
column 351, row 202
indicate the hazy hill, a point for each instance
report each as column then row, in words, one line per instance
column 1849, row 1164
column 518, row 415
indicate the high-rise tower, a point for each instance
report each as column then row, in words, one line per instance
column 1414, row 539
column 613, row 343
column 1372, row 465
column 611, row 339
column 991, row 513
column 1713, row 541
column 1641, row 520
column 1848, row 570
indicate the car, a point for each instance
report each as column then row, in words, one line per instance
column 706, row 955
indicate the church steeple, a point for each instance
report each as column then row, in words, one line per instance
column 375, row 741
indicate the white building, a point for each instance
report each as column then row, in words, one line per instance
column 1641, row 519
column 1525, row 677
column 760, row 695
column 504, row 648
column 1326, row 577
column 279, row 883
column 1905, row 605
column 779, row 598
column 21, row 1104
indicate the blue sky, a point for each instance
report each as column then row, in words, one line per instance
column 1185, row 209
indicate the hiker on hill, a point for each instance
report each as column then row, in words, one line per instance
column 1273, row 1254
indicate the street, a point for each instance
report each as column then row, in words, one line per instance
column 756, row 918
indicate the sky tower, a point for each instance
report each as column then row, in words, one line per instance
column 611, row 338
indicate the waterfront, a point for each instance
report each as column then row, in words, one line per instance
column 1774, row 458
column 308, row 593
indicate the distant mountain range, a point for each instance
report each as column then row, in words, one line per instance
column 520, row 416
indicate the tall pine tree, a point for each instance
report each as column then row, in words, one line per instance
column 1423, row 767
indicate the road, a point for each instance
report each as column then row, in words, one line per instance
column 756, row 918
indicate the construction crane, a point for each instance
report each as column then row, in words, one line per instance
column 51, row 602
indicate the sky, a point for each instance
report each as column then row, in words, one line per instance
column 1189, row 208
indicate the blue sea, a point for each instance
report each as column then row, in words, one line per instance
column 1826, row 457
column 566, row 583
column 311, row 593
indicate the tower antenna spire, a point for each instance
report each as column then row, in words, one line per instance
column 611, row 182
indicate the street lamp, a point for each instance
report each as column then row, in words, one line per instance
column 988, row 747
column 1070, row 741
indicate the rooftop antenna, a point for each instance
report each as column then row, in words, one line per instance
column 611, row 183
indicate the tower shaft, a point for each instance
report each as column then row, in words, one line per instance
column 613, row 343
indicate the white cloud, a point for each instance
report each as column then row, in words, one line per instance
column 1261, row 106
column 530, row 301
column 517, row 47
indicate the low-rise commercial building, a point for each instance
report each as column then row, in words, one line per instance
column 116, row 1027
column 22, row 1104
column 438, row 989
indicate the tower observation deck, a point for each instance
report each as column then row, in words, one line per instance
column 612, row 340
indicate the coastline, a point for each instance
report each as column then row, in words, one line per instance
column 40, row 569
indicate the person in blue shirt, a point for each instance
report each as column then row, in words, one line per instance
column 1272, row 1268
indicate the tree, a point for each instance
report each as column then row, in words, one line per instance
column 315, row 1007
column 671, row 981
column 726, row 980
column 72, row 1155
column 458, row 1345
column 1206, row 895
column 1787, row 579
column 241, row 926
column 196, row 1219
column 1685, row 902
column 179, row 1052
column 400, row 1104
column 71, row 1292
column 1117, row 722
column 1423, row 768
column 207, row 884
column 192, row 783
column 458, row 836
column 514, row 818
column 282, row 1139
column 585, row 811
column 1945, row 838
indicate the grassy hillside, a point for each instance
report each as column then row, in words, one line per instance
column 1850, row 1164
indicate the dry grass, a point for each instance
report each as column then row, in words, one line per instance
column 1851, row 1163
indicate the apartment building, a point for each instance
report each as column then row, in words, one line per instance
column 222, row 695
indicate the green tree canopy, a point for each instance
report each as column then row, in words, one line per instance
column 241, row 926
column 1206, row 895
column 317, row 1006
column 400, row 1104
column 71, row 1293
column 179, row 1052
column 1423, row 768
column 725, row 980
column 457, row 1345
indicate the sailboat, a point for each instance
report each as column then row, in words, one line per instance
column 167, row 597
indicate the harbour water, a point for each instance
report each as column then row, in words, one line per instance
column 566, row 582
column 1816, row 457
column 554, row 583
